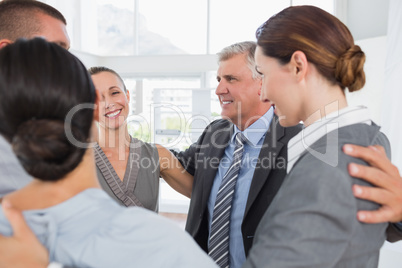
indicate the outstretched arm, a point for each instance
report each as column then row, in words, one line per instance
column 173, row 172
column 385, row 177
column 22, row 249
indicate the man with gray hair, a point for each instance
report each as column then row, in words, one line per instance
column 238, row 163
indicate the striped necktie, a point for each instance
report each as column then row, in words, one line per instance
column 219, row 235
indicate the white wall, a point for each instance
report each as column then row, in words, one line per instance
column 152, row 65
column 371, row 94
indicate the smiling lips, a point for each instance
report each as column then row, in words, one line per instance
column 113, row 114
column 224, row 102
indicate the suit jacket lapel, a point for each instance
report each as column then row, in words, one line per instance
column 212, row 156
column 267, row 158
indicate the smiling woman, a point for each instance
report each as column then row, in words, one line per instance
column 127, row 168
column 306, row 68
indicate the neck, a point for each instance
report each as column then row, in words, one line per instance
column 43, row 194
column 244, row 124
column 321, row 100
column 114, row 139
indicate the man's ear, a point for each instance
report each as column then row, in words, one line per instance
column 4, row 42
column 96, row 107
column 299, row 64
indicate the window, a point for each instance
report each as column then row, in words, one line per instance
column 172, row 27
column 115, row 27
column 159, row 27
column 235, row 21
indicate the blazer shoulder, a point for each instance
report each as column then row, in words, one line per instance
column 219, row 124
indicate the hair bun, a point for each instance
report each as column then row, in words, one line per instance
column 44, row 150
column 349, row 70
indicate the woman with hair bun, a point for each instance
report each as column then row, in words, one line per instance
column 46, row 113
column 308, row 58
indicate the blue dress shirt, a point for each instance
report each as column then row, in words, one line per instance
column 12, row 175
column 255, row 135
column 92, row 230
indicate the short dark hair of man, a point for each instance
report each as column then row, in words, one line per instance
column 19, row 18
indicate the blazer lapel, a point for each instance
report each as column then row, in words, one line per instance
column 212, row 156
column 267, row 160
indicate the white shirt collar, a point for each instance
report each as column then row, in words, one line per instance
column 309, row 135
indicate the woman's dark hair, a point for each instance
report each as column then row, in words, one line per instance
column 40, row 83
column 100, row 69
column 325, row 40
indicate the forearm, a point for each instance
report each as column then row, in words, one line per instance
column 173, row 172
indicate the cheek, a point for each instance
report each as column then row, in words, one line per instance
column 264, row 88
column 126, row 103
column 102, row 106
column 268, row 89
column 121, row 101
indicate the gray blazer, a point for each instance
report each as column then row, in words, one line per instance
column 312, row 220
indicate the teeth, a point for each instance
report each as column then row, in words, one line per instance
column 226, row 102
column 113, row 114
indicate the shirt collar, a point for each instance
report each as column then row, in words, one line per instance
column 341, row 118
column 66, row 209
column 255, row 132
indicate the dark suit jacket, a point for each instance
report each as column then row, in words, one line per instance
column 202, row 161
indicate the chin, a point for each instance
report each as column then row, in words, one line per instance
column 227, row 116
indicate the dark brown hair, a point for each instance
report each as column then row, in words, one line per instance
column 325, row 40
column 19, row 18
column 40, row 84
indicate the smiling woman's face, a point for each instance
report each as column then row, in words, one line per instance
column 114, row 102
column 278, row 87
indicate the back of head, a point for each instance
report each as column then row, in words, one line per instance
column 324, row 39
column 19, row 18
column 247, row 48
column 40, row 83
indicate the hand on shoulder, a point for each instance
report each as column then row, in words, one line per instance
column 386, row 180
column 22, row 249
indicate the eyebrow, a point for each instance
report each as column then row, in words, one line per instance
column 113, row 87
column 229, row 76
